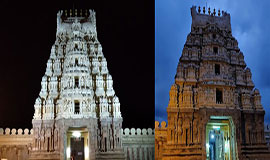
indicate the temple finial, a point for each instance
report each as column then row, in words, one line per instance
column 86, row 13
column 75, row 12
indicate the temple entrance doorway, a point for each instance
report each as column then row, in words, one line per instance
column 77, row 148
column 220, row 138
column 77, row 144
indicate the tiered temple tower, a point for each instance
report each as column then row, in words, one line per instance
column 77, row 112
column 214, row 110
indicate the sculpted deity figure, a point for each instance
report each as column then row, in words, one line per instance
column 103, row 139
column 38, row 104
column 48, row 139
column 181, row 130
column 53, row 84
column 63, row 83
column 116, row 106
column 53, row 52
column 71, row 106
column 69, row 82
column 44, row 84
column 88, row 81
column 60, row 51
column 86, row 61
column 110, row 91
column 49, row 64
column 104, row 108
column 99, row 81
column 84, row 105
column 101, row 101
column 66, row 82
column 82, row 81
column 195, row 130
column 92, row 107
column 104, row 69
column 57, row 65
column 36, row 139
column 55, row 139
column 99, row 86
column 175, row 134
column 95, row 65
column 196, row 97
column 42, row 140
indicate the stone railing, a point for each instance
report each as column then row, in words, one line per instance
column 14, row 144
column 138, row 143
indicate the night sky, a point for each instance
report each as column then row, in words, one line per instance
column 125, row 30
column 250, row 26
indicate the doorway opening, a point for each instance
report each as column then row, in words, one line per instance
column 77, row 144
column 220, row 138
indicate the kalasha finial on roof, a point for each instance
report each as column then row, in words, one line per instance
column 70, row 12
column 75, row 12
column 199, row 9
column 86, row 12
column 222, row 20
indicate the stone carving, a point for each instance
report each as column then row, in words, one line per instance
column 38, row 105
column 76, row 86
column 140, row 140
column 76, row 93
column 212, row 81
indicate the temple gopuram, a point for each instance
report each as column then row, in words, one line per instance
column 77, row 113
column 214, row 111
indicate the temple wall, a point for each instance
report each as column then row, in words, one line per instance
column 138, row 144
column 160, row 138
column 14, row 144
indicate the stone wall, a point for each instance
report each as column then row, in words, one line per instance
column 138, row 143
column 14, row 144
column 160, row 138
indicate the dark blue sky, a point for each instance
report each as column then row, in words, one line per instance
column 250, row 22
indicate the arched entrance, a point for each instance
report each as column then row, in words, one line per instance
column 220, row 138
column 77, row 144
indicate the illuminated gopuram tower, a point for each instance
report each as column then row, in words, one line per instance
column 77, row 113
column 214, row 111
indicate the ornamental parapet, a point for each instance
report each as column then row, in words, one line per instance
column 15, row 136
column 138, row 143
